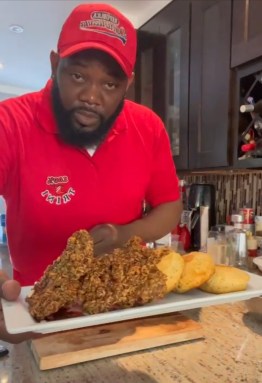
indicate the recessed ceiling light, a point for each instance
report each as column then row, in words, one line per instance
column 16, row 28
column 1, row 66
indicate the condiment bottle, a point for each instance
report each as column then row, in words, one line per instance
column 251, row 250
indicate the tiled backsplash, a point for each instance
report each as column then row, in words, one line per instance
column 233, row 190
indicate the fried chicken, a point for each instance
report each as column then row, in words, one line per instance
column 61, row 282
column 126, row 277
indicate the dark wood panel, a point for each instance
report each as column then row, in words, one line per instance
column 246, row 31
column 209, row 83
column 131, row 93
column 156, row 43
column 155, row 33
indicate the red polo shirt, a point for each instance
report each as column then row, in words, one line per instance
column 52, row 189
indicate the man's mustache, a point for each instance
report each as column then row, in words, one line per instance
column 87, row 110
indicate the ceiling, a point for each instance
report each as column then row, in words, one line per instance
column 25, row 56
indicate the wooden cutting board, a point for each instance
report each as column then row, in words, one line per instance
column 81, row 345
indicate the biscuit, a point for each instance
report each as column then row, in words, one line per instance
column 226, row 279
column 172, row 265
column 198, row 268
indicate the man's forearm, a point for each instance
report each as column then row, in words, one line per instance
column 159, row 221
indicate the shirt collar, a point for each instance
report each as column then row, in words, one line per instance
column 47, row 121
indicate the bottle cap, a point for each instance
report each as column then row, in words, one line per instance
column 237, row 218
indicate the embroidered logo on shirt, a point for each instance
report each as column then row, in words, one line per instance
column 58, row 192
column 106, row 24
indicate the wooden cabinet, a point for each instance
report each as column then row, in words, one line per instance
column 209, row 102
column 246, row 31
column 184, row 75
column 163, row 68
column 150, row 71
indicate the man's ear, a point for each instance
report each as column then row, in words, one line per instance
column 54, row 60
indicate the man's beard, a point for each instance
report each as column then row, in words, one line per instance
column 71, row 135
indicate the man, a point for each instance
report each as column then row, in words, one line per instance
column 78, row 155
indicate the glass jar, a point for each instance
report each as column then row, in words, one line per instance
column 258, row 230
column 251, row 251
column 220, row 246
column 258, row 226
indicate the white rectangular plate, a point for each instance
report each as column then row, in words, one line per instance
column 18, row 319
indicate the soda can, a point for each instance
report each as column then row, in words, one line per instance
column 248, row 215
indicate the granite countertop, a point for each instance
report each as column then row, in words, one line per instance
column 230, row 353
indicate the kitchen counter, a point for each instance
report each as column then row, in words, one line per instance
column 230, row 353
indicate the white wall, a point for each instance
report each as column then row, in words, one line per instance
column 7, row 91
column 4, row 96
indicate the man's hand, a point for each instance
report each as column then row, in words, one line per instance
column 10, row 290
column 157, row 223
column 106, row 238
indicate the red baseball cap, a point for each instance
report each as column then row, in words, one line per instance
column 99, row 26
